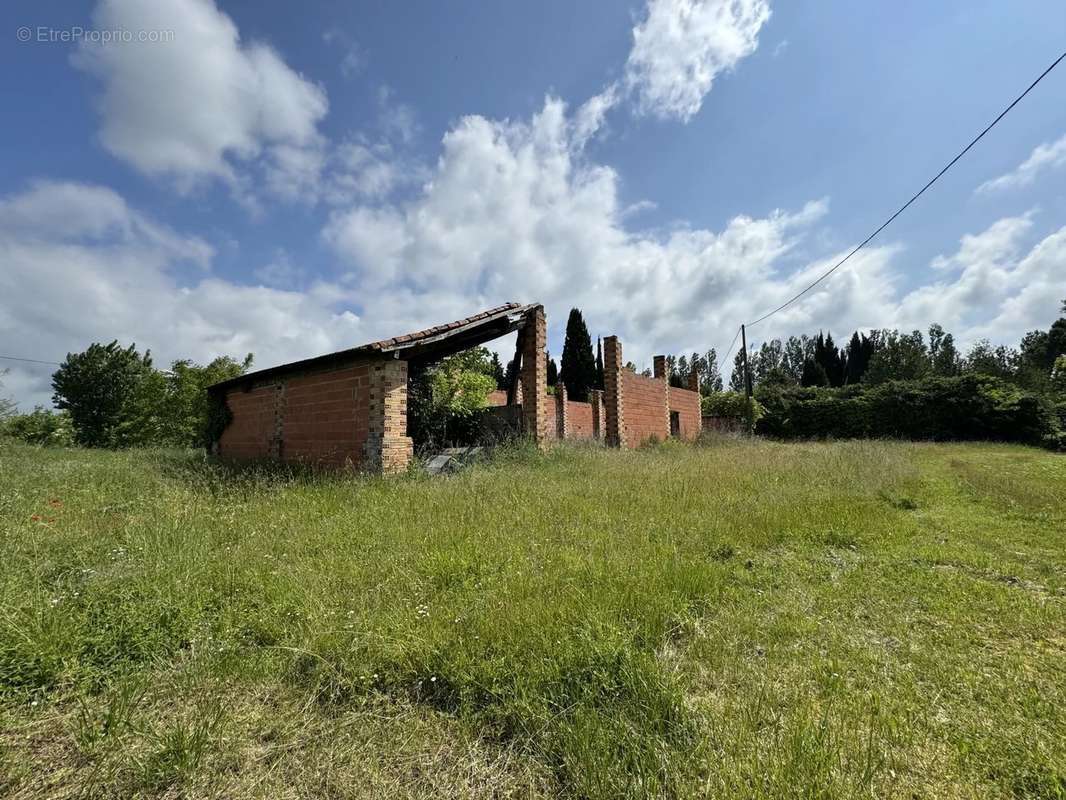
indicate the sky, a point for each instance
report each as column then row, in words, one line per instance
column 209, row 177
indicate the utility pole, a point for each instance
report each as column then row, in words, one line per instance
column 747, row 372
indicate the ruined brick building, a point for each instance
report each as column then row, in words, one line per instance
column 349, row 408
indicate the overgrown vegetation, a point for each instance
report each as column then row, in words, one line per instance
column 749, row 619
column 113, row 397
column 444, row 398
column 968, row 407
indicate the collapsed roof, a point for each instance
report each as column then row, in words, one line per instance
column 431, row 344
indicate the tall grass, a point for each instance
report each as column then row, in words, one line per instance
column 746, row 619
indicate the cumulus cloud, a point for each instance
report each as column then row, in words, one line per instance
column 82, row 266
column 681, row 46
column 515, row 211
column 1044, row 157
column 204, row 105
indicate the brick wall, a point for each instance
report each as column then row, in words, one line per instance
column 326, row 417
column 497, row 397
column 251, row 433
column 644, row 401
column 687, row 404
column 578, row 420
column 354, row 416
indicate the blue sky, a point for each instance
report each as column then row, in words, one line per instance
column 289, row 184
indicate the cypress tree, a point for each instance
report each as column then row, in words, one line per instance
column 813, row 374
column 553, row 370
column 599, row 363
column 578, row 370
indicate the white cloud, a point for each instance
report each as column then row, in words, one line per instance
column 354, row 59
column 1044, row 157
column 681, row 46
column 515, row 211
column 80, row 266
column 205, row 105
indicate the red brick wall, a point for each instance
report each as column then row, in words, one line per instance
column 687, row 404
column 497, row 397
column 644, row 402
column 250, row 433
column 324, row 418
column 327, row 416
column 578, row 420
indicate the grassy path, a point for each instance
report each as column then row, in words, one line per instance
column 749, row 619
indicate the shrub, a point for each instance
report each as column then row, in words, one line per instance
column 732, row 404
column 42, row 426
column 967, row 407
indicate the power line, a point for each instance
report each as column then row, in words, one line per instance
column 31, row 360
column 904, row 207
column 725, row 358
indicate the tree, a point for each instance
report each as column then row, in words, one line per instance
column 578, row 365
column 497, row 372
column 897, row 357
column 678, row 371
column 795, row 354
column 828, row 357
column 710, row 373
column 8, row 407
column 553, row 370
column 110, row 393
column 768, row 359
column 813, row 374
column 984, row 359
column 857, row 357
column 736, row 378
column 943, row 357
column 185, row 408
column 444, row 397
column 599, row 363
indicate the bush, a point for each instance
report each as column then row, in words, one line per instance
column 976, row 407
column 732, row 404
column 42, row 426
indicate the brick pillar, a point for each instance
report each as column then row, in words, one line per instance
column 562, row 427
column 388, row 448
column 659, row 373
column 596, row 401
column 613, row 405
column 694, row 386
column 535, row 378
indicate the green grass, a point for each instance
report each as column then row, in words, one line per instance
column 742, row 619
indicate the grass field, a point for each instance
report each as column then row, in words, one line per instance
column 743, row 619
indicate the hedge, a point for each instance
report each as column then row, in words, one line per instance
column 976, row 407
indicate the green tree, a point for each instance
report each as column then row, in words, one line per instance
column 578, row 366
column 829, row 358
column 710, row 373
column 736, row 378
column 943, row 357
column 552, row 368
column 984, row 359
column 186, row 407
column 857, row 357
column 8, row 407
column 599, row 363
column 813, row 374
column 897, row 357
column 111, row 393
column 797, row 349
column 444, row 398
column 497, row 372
